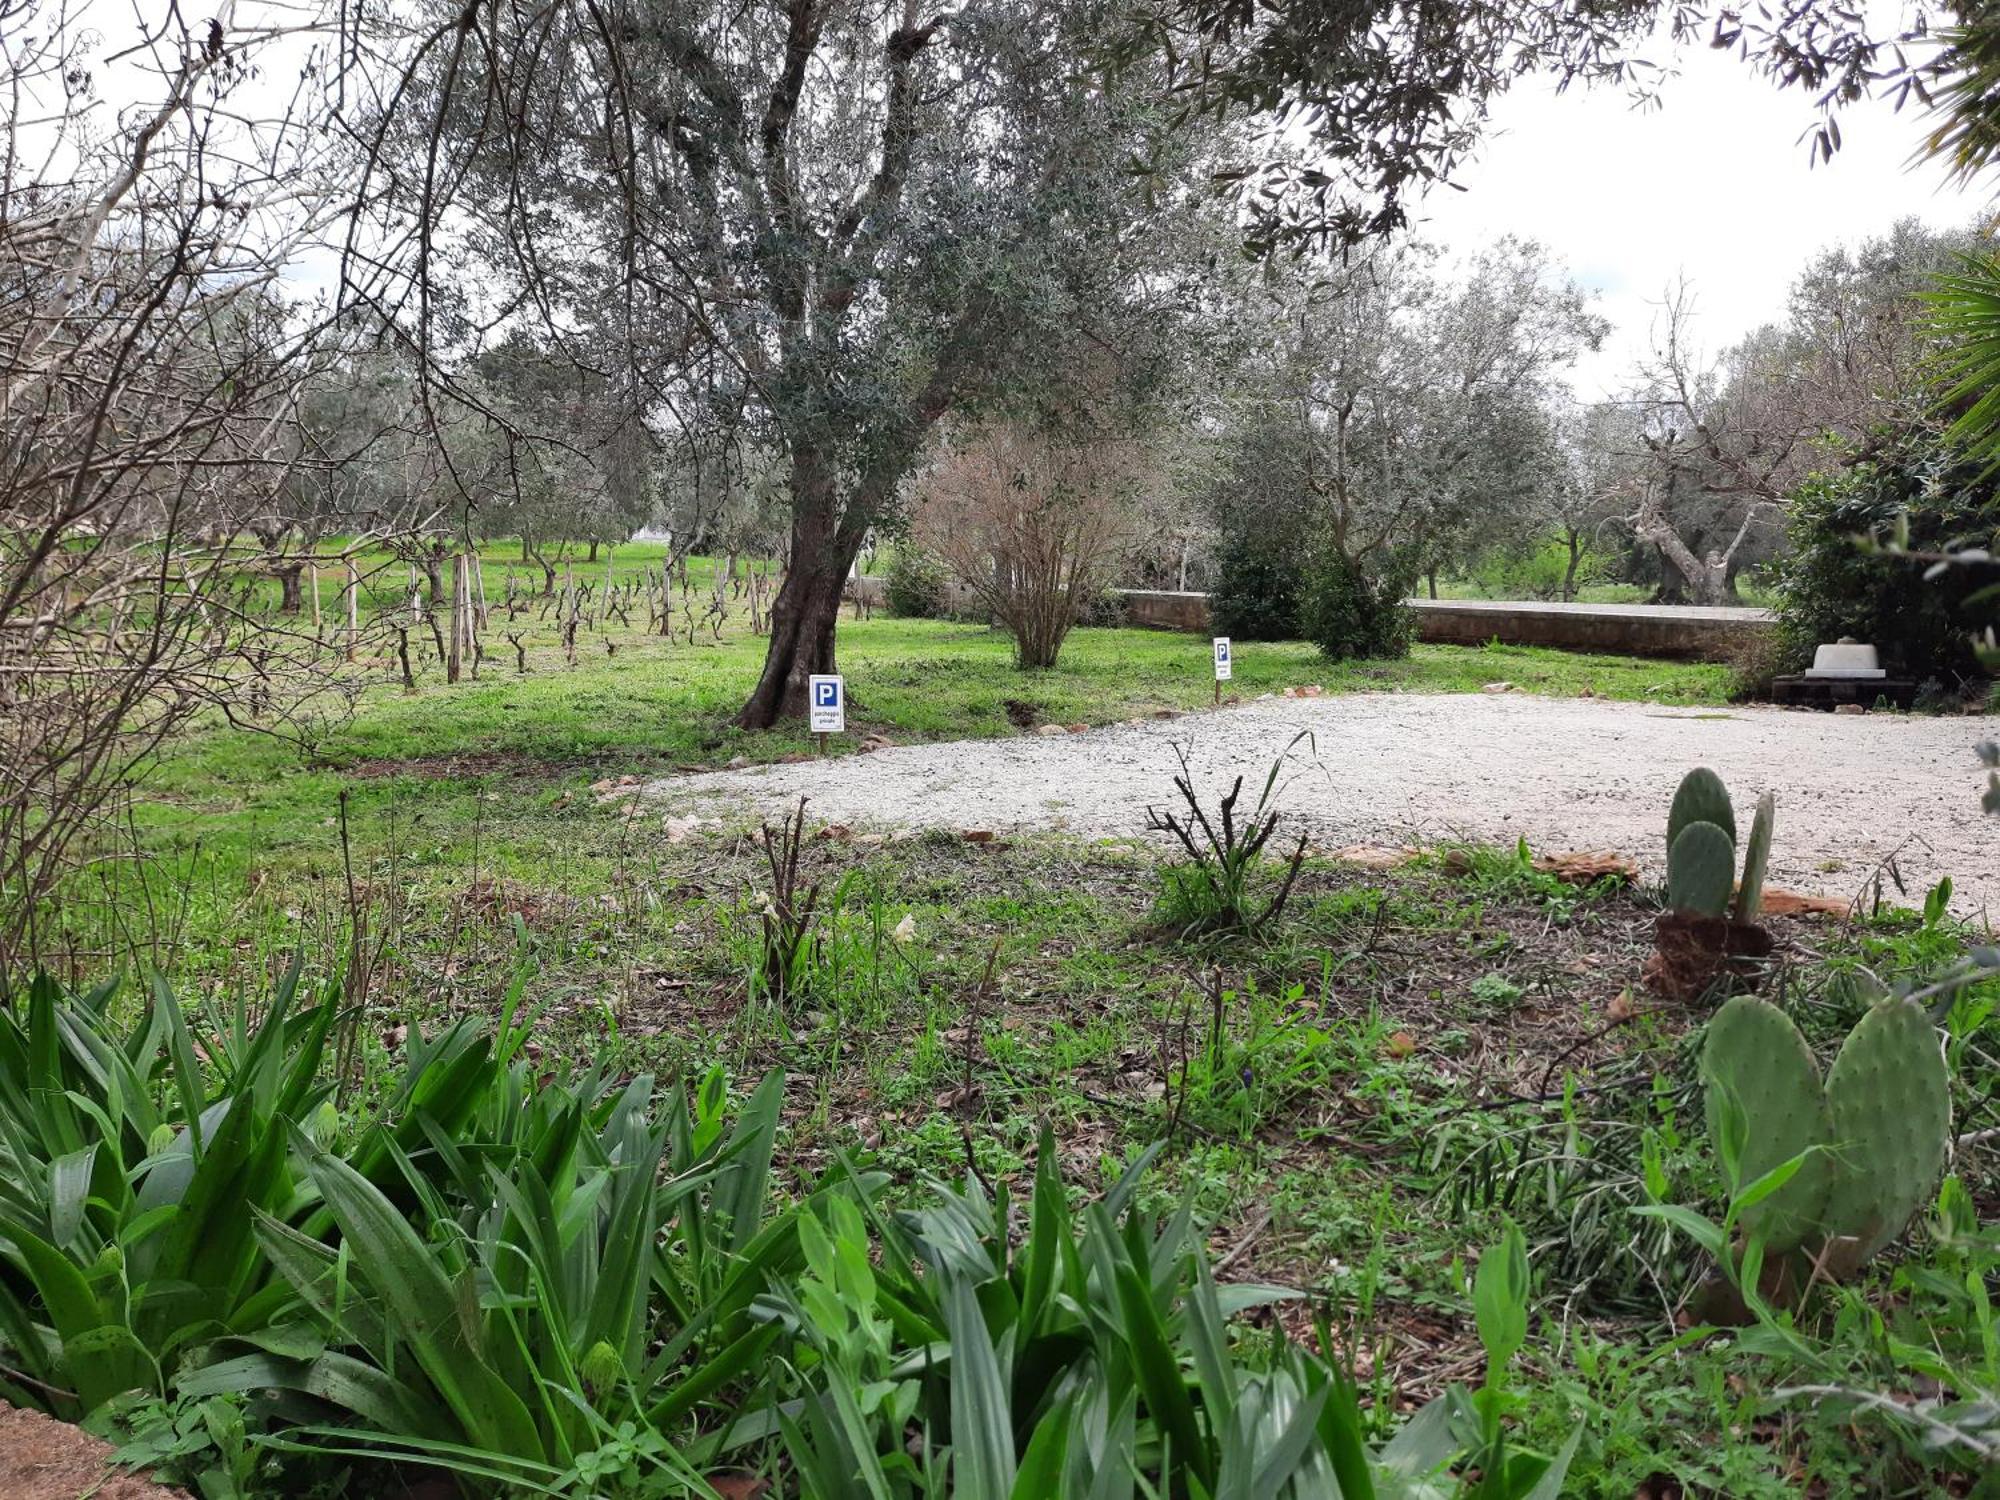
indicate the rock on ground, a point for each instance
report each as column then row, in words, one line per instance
column 1425, row 768
column 43, row 1459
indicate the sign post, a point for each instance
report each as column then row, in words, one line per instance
column 826, row 707
column 1224, row 666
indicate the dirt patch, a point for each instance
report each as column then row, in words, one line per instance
column 1427, row 768
column 43, row 1459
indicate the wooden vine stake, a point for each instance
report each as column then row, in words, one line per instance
column 478, row 600
column 353, row 592
column 454, row 653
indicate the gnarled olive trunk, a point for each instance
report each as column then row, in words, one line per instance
column 804, row 615
column 290, row 595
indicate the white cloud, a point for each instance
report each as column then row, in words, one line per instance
column 1715, row 182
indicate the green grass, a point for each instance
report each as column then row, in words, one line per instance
column 1340, row 1070
column 1539, row 575
column 414, row 766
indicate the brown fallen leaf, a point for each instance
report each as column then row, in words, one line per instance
column 1792, row 904
column 1621, row 1008
column 1400, row 1044
column 1584, row 867
column 979, row 835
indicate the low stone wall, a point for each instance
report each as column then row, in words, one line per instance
column 872, row 589
column 1163, row 609
column 1689, row 632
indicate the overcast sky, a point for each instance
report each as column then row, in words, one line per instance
column 1714, row 182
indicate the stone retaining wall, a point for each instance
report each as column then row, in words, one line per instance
column 1686, row 631
column 1689, row 632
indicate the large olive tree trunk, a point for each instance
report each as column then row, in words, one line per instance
column 825, row 539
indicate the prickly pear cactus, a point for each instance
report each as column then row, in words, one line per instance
column 1756, row 856
column 1701, row 798
column 1701, row 867
column 1890, row 1100
column 1754, row 1055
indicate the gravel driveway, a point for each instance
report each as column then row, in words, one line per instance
column 1408, row 768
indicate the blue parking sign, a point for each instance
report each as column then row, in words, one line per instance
column 826, row 701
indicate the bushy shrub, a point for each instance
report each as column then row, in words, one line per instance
column 1256, row 593
column 919, row 586
column 1833, row 585
column 1353, row 609
column 1103, row 610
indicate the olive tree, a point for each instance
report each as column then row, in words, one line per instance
column 850, row 217
column 1393, row 411
column 1718, row 443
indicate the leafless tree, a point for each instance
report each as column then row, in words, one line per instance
column 1036, row 526
column 150, row 363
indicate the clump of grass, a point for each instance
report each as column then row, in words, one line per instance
column 1219, row 888
column 791, row 942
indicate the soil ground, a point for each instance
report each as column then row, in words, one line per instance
column 43, row 1459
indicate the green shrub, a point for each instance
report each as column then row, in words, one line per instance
column 127, row 1230
column 1089, row 1354
column 1833, row 585
column 1256, row 592
column 498, row 1275
column 919, row 585
column 1354, row 609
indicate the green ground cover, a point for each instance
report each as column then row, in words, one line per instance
column 1356, row 1101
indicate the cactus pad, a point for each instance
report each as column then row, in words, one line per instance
column 1755, row 1055
column 1701, row 867
column 1702, row 798
column 1756, row 856
column 1890, row 1100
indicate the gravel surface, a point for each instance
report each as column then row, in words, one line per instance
column 1407, row 768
